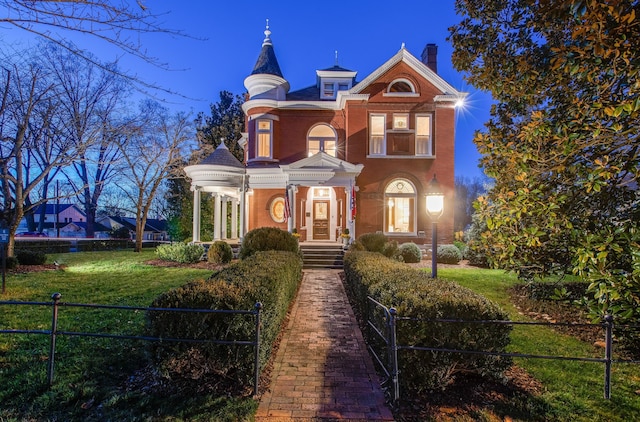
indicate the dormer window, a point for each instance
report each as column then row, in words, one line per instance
column 332, row 80
column 401, row 88
column 328, row 90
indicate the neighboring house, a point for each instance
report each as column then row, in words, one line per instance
column 55, row 217
column 79, row 229
column 338, row 154
column 155, row 229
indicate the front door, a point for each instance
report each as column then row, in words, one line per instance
column 320, row 220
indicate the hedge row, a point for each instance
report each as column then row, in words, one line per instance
column 270, row 277
column 415, row 294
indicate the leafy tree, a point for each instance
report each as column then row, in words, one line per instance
column 225, row 123
column 562, row 142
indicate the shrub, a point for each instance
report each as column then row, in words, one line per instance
column 356, row 246
column 219, row 253
column 119, row 233
column 449, row 254
column 12, row 262
column 180, row 252
column 373, row 242
column 28, row 257
column 390, row 250
column 476, row 251
column 415, row 295
column 271, row 278
column 410, row 252
column 267, row 239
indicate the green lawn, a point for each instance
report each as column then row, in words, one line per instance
column 91, row 373
column 94, row 388
column 573, row 390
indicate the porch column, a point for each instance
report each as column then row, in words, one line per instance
column 216, row 216
column 350, row 221
column 290, row 226
column 243, row 205
column 196, row 214
column 234, row 218
column 223, row 217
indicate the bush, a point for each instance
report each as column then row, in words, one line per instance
column 449, row 254
column 390, row 250
column 410, row 252
column 28, row 257
column 120, row 233
column 271, row 278
column 476, row 252
column 415, row 295
column 220, row 252
column 180, row 252
column 356, row 246
column 373, row 242
column 12, row 262
column 268, row 239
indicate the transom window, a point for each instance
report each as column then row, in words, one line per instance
column 264, row 138
column 322, row 137
column 400, row 207
column 401, row 87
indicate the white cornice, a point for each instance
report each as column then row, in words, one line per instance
column 337, row 104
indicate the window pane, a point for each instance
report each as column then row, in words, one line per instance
column 375, row 146
column 264, row 145
column 322, row 131
column 314, row 147
column 400, row 121
column 423, row 125
column 330, row 148
column 377, row 125
column 264, row 124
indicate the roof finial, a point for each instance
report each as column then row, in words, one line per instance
column 402, row 46
column 336, row 57
column 267, row 35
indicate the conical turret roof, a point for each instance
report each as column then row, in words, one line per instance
column 267, row 62
column 221, row 156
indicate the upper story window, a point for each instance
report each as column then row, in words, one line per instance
column 423, row 134
column 377, row 132
column 264, row 138
column 408, row 135
column 322, row 137
column 401, row 88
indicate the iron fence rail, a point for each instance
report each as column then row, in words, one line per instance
column 388, row 336
column 54, row 331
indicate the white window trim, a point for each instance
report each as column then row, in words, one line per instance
column 336, row 82
column 323, row 139
column 386, row 197
column 413, row 92
column 406, row 119
column 383, row 151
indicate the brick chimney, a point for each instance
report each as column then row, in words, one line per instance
column 430, row 57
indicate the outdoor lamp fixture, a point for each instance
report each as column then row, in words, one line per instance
column 435, row 207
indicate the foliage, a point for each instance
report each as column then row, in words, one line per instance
column 180, row 252
column 12, row 262
column 476, row 250
column 373, row 242
column 119, row 233
column 410, row 252
column 225, row 124
column 391, row 250
column 356, row 246
column 448, row 254
column 270, row 277
column 219, row 252
column 29, row 257
column 267, row 239
column 562, row 143
column 415, row 295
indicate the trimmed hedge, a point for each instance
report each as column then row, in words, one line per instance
column 29, row 257
column 180, row 252
column 271, row 278
column 373, row 242
column 410, row 252
column 449, row 254
column 415, row 294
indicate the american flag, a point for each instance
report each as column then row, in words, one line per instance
column 353, row 201
column 287, row 206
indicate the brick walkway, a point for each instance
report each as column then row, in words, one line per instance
column 322, row 370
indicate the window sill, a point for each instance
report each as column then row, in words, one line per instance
column 404, row 157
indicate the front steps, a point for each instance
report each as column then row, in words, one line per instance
column 322, row 256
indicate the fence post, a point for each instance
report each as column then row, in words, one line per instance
column 608, row 324
column 54, row 330
column 256, row 367
column 393, row 353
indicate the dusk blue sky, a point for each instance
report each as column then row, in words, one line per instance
column 305, row 37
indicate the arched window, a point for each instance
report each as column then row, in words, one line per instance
column 401, row 86
column 322, row 137
column 400, row 207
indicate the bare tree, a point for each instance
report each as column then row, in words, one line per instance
column 151, row 152
column 118, row 23
column 26, row 114
column 90, row 102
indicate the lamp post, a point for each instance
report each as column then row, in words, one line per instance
column 435, row 207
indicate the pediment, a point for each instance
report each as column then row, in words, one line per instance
column 323, row 161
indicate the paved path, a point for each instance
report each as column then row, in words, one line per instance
column 322, row 369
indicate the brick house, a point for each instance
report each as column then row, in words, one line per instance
column 340, row 153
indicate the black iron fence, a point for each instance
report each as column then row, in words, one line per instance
column 54, row 332
column 383, row 330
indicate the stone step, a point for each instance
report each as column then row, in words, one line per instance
column 322, row 256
